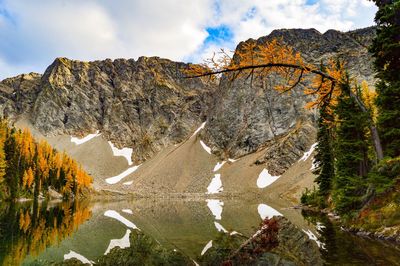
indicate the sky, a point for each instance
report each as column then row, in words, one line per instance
column 34, row 32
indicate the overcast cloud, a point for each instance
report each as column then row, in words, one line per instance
column 33, row 33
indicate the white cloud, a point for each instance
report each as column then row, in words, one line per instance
column 253, row 19
column 33, row 33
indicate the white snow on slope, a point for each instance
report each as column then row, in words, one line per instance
column 215, row 185
column 119, row 217
column 265, row 179
column 320, row 226
column 314, row 165
column 79, row 141
column 124, row 152
column 205, row 147
column 266, row 211
column 121, row 243
column 218, row 166
column 308, row 153
column 216, row 207
column 127, row 211
column 220, row 228
column 73, row 254
column 198, row 130
column 206, row 247
column 117, row 178
column 232, row 160
column 127, row 183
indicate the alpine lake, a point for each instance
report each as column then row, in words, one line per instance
column 168, row 232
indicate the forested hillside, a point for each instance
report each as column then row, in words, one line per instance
column 28, row 169
column 359, row 170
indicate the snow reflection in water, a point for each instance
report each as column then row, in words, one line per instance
column 266, row 211
column 121, row 243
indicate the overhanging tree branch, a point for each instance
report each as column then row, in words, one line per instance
column 307, row 69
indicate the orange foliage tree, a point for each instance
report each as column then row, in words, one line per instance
column 32, row 167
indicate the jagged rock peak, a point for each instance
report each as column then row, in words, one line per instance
column 143, row 104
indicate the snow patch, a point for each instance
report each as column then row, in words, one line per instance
column 79, row 141
column 308, row 153
column 314, row 238
column 215, row 185
column 206, row 247
column 73, row 254
column 117, row 178
column 121, row 243
column 220, row 228
column 265, row 179
column 205, row 147
column 320, row 226
column 266, row 211
column 127, row 183
column 234, row 233
column 218, row 166
column 216, row 207
column 314, row 165
column 124, row 152
column 232, row 160
column 198, row 130
column 127, row 211
column 119, row 217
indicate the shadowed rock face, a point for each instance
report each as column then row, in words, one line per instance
column 147, row 105
column 247, row 116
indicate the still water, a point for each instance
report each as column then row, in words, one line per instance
column 168, row 232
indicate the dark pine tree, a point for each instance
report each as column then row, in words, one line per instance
column 351, row 153
column 12, row 169
column 386, row 50
column 324, row 154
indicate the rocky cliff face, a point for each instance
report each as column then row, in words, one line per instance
column 142, row 104
column 18, row 94
column 248, row 117
column 147, row 105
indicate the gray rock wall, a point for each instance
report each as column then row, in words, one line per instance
column 147, row 105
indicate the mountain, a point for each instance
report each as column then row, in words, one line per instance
column 147, row 105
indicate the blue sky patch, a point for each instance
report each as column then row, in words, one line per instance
column 311, row 2
column 4, row 13
column 219, row 34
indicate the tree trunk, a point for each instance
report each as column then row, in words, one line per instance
column 374, row 131
column 377, row 142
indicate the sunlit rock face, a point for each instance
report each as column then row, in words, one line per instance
column 143, row 104
column 18, row 94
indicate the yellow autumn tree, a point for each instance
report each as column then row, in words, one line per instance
column 36, row 165
column 368, row 96
column 28, row 178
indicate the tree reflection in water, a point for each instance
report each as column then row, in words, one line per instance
column 28, row 229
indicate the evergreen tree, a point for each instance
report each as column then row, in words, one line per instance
column 12, row 170
column 386, row 50
column 28, row 167
column 323, row 159
column 351, row 152
column 3, row 162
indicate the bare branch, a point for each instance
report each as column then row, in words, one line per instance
column 268, row 65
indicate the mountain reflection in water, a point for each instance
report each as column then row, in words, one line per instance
column 168, row 232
